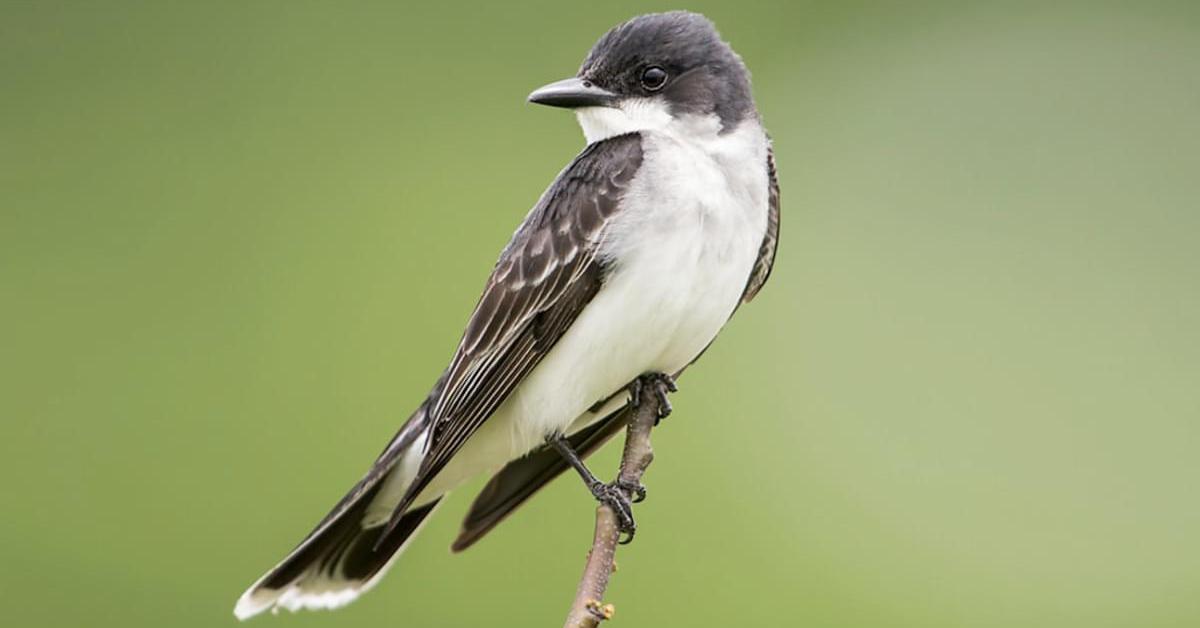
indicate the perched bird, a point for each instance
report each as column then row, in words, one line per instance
column 623, row 272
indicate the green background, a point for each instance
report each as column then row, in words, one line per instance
column 238, row 241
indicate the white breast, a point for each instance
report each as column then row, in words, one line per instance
column 686, row 244
column 679, row 253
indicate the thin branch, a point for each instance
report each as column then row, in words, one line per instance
column 589, row 608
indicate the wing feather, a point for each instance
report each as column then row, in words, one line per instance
column 544, row 278
column 770, row 242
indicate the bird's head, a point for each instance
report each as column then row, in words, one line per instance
column 655, row 72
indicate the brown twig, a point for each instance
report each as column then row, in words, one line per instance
column 589, row 608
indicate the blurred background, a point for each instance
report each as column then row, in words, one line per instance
column 238, row 241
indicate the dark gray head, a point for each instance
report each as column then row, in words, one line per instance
column 675, row 59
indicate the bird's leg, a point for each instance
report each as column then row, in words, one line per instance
column 662, row 384
column 613, row 495
column 621, row 495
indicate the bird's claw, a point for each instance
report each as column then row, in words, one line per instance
column 615, row 497
column 637, row 491
column 663, row 385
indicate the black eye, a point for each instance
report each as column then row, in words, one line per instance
column 653, row 78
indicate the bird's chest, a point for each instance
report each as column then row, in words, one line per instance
column 683, row 250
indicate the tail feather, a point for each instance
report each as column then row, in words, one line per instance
column 349, row 550
column 333, row 567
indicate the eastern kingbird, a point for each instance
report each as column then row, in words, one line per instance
column 621, row 274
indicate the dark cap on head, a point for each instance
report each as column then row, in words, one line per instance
column 678, row 57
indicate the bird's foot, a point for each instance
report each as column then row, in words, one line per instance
column 662, row 385
column 636, row 491
column 616, row 498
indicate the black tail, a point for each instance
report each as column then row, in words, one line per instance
column 343, row 557
column 335, row 564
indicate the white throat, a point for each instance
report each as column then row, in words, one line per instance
column 642, row 114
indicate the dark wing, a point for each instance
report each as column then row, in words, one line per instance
column 412, row 428
column 543, row 280
column 766, row 252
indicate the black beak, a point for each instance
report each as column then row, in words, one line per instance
column 571, row 93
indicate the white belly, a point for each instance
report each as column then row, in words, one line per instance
column 679, row 256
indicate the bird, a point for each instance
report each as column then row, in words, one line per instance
column 620, row 276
